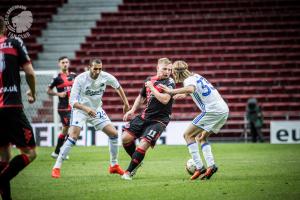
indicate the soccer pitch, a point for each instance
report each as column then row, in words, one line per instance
column 246, row 171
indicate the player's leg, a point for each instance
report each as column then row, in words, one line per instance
column 112, row 134
column 128, row 141
column 211, row 123
column 74, row 132
column 20, row 134
column 4, row 160
column 150, row 136
column 207, row 154
column 189, row 135
column 65, row 120
column 131, row 131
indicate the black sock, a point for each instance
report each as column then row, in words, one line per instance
column 10, row 170
column 137, row 158
column 5, row 191
column 130, row 148
column 18, row 163
column 60, row 142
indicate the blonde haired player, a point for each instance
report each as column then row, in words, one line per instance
column 86, row 101
column 149, row 125
column 213, row 116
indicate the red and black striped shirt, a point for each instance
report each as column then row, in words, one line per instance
column 155, row 110
column 13, row 55
column 63, row 83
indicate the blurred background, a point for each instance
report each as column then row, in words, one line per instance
column 246, row 49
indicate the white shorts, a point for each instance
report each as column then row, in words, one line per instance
column 211, row 122
column 79, row 117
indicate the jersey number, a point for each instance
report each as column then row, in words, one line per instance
column 152, row 133
column 206, row 86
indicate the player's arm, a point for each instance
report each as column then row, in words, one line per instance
column 121, row 93
column 74, row 99
column 184, row 90
column 164, row 98
column 30, row 79
column 51, row 92
column 139, row 101
column 27, row 67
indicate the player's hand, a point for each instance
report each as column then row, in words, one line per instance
column 128, row 115
column 149, row 84
column 30, row 97
column 62, row 94
column 126, row 108
column 165, row 88
column 179, row 96
column 91, row 112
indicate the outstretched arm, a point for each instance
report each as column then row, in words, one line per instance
column 137, row 104
column 30, row 79
column 184, row 90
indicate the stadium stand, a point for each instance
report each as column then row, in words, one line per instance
column 245, row 48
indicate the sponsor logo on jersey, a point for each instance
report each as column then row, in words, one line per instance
column 9, row 89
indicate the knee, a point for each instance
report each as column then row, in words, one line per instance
column 187, row 136
column 126, row 138
column 201, row 139
column 32, row 155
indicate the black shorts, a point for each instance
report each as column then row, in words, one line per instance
column 148, row 130
column 65, row 117
column 15, row 128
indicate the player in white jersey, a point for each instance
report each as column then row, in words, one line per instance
column 213, row 116
column 86, row 102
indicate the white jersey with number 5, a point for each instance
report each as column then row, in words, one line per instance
column 206, row 96
column 88, row 91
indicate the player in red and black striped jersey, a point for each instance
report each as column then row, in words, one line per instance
column 63, row 84
column 150, row 124
column 14, row 126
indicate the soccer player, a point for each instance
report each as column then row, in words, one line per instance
column 213, row 117
column 14, row 127
column 149, row 125
column 85, row 99
column 63, row 83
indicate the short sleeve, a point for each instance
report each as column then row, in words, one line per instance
column 143, row 92
column 171, row 84
column 190, row 81
column 53, row 83
column 22, row 51
column 112, row 81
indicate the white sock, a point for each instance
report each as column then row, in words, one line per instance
column 209, row 158
column 64, row 151
column 194, row 151
column 114, row 150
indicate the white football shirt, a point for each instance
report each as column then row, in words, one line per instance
column 88, row 91
column 207, row 98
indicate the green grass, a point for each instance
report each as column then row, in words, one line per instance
column 246, row 171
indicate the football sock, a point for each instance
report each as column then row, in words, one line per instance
column 130, row 148
column 60, row 142
column 5, row 191
column 207, row 153
column 114, row 150
column 194, row 151
column 136, row 159
column 64, row 151
column 18, row 163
